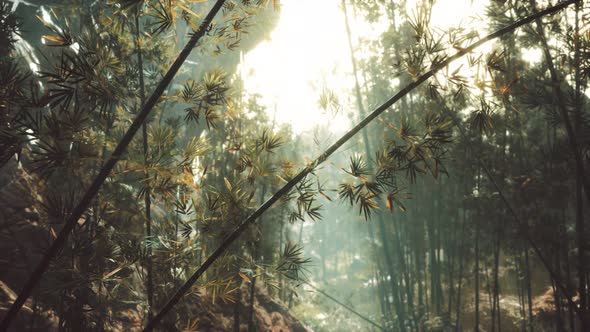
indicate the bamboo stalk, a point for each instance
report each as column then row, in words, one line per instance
column 147, row 198
column 333, row 148
column 91, row 192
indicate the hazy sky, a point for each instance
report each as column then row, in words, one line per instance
column 309, row 50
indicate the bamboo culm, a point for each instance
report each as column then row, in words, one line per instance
column 91, row 192
column 333, row 148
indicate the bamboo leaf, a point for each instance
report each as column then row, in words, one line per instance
column 243, row 276
column 227, row 184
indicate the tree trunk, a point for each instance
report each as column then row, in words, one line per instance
column 461, row 264
column 496, row 314
column 476, row 276
column 147, row 197
column 580, row 226
column 392, row 275
column 529, row 290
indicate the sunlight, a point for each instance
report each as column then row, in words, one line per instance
column 453, row 13
column 308, row 51
column 532, row 55
column 239, row 181
column 468, row 15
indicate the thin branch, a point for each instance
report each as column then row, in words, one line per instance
column 345, row 306
column 324, row 156
column 72, row 221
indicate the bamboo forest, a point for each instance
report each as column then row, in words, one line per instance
column 295, row 165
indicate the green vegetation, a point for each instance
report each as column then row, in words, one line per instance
column 144, row 187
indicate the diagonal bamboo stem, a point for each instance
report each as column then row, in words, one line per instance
column 397, row 299
column 91, row 192
column 345, row 306
column 335, row 146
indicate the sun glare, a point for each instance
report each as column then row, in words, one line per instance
column 304, row 53
column 453, row 13
column 308, row 51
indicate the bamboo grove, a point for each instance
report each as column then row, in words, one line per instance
column 164, row 189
